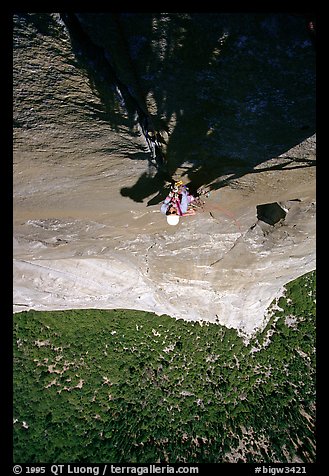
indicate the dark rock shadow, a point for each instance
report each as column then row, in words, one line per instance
column 234, row 90
column 147, row 185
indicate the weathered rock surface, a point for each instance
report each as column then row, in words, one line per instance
column 236, row 95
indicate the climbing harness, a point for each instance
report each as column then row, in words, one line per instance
column 175, row 192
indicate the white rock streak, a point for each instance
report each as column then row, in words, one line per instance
column 199, row 271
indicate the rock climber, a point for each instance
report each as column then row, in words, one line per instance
column 177, row 203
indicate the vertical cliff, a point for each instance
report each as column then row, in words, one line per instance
column 233, row 96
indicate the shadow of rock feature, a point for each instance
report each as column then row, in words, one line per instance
column 232, row 91
column 271, row 213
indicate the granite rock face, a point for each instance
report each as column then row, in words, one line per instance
column 233, row 96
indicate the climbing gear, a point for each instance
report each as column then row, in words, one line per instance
column 177, row 184
column 153, row 140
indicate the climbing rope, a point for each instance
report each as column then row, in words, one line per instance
column 228, row 214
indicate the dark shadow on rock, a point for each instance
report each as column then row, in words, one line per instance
column 234, row 90
column 42, row 22
column 90, row 57
column 270, row 213
column 148, row 185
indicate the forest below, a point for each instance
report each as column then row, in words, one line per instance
column 134, row 387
